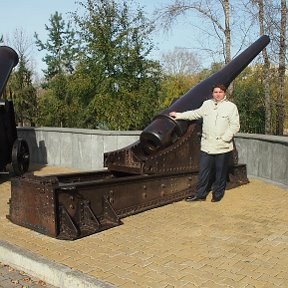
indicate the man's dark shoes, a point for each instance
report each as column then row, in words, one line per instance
column 215, row 199
column 194, row 198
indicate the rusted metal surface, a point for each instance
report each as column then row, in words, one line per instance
column 34, row 203
column 64, row 209
column 160, row 168
column 182, row 156
column 77, row 209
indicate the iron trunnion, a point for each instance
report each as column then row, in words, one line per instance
column 160, row 168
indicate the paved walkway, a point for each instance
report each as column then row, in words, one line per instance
column 13, row 278
column 241, row 241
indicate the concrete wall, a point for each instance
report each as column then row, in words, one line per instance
column 77, row 148
column 266, row 156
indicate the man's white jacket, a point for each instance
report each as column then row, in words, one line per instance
column 220, row 124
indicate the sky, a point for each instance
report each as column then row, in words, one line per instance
column 30, row 16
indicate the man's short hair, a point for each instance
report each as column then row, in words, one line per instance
column 221, row 86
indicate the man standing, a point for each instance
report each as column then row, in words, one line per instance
column 220, row 124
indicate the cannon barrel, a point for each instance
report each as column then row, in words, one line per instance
column 164, row 130
column 8, row 60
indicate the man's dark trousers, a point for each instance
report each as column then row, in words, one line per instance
column 208, row 164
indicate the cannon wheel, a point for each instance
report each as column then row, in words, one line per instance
column 20, row 157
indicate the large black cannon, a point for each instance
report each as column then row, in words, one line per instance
column 165, row 135
column 160, row 168
column 13, row 150
column 164, row 130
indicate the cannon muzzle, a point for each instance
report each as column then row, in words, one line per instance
column 164, row 130
column 8, row 60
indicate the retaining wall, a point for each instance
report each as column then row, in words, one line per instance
column 266, row 156
column 77, row 148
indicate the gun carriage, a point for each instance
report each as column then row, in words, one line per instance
column 160, row 168
column 14, row 151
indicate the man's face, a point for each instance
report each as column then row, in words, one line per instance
column 218, row 94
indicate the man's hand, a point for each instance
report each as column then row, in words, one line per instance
column 172, row 114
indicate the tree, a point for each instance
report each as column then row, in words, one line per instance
column 208, row 10
column 61, row 47
column 174, row 86
column 20, row 85
column 271, row 20
column 266, row 67
column 281, row 69
column 249, row 98
column 116, row 43
column 180, row 68
column 24, row 94
column 271, row 17
column 180, row 61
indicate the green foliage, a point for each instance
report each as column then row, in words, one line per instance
column 249, row 98
column 116, row 46
column 108, row 82
column 61, row 47
column 113, row 84
column 23, row 94
column 51, row 110
column 214, row 67
column 60, row 105
column 174, row 86
column 123, row 109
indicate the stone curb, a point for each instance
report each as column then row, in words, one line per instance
column 53, row 273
